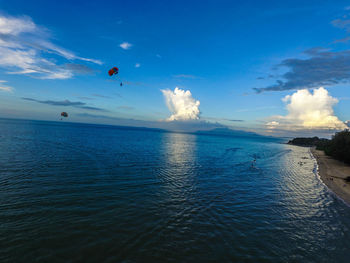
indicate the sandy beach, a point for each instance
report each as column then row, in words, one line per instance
column 333, row 173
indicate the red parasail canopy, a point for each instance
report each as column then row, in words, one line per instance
column 64, row 114
column 113, row 71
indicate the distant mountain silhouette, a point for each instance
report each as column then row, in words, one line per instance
column 229, row 132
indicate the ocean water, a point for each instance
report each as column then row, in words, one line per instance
column 89, row 193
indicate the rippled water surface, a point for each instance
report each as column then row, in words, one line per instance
column 87, row 193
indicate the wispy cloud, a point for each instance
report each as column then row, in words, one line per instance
column 342, row 40
column 93, row 108
column 85, row 98
column 79, row 68
column 125, row 108
column 57, row 103
column 342, row 23
column 221, row 119
column 5, row 88
column 65, row 103
column 322, row 68
column 125, row 45
column 182, row 105
column 186, row 76
column 257, row 109
column 101, row 96
column 26, row 48
column 233, row 120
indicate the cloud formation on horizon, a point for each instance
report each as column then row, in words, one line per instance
column 181, row 104
column 307, row 110
column 25, row 47
column 65, row 103
column 183, row 126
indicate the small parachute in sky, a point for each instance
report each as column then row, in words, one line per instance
column 113, row 71
column 64, row 114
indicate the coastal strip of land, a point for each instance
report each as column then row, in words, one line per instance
column 333, row 173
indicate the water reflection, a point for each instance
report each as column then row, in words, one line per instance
column 180, row 150
column 180, row 166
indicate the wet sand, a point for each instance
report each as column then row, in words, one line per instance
column 332, row 173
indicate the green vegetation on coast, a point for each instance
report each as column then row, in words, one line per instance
column 338, row 147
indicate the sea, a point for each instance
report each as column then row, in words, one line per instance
column 73, row 192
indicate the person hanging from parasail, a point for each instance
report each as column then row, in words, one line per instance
column 114, row 72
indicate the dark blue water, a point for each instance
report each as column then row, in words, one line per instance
column 85, row 193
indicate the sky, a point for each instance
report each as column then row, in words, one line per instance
column 274, row 67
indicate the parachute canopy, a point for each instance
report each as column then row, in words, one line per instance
column 64, row 114
column 113, row 71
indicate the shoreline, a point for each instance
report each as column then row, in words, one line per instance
column 332, row 174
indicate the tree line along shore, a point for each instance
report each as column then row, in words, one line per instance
column 338, row 147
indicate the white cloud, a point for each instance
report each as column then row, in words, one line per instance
column 125, row 45
column 26, row 48
column 181, row 104
column 137, row 65
column 186, row 76
column 5, row 88
column 272, row 124
column 15, row 26
column 307, row 110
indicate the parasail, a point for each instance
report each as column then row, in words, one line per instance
column 113, row 71
column 64, row 114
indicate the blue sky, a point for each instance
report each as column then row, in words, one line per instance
column 218, row 50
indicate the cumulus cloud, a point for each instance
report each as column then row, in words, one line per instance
column 26, row 48
column 308, row 110
column 181, row 104
column 125, row 45
column 65, row 103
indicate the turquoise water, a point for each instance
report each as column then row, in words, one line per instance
column 89, row 193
